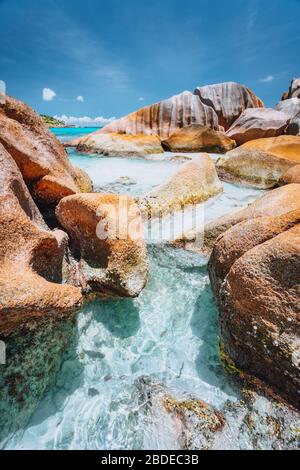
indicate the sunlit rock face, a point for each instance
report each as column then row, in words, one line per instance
column 284, row 146
column 294, row 90
column 291, row 106
column 291, row 176
column 107, row 242
column 277, row 202
column 254, row 168
column 257, row 123
column 196, row 138
column 196, row 181
column 118, row 145
column 31, row 256
column 228, row 100
column 34, row 305
column 165, row 117
column 255, row 271
column 40, row 157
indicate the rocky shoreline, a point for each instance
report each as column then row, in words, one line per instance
column 53, row 260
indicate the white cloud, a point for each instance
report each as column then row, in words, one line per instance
column 85, row 121
column 141, row 98
column 267, row 79
column 48, row 94
column 80, row 98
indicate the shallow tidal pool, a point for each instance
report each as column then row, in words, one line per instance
column 170, row 333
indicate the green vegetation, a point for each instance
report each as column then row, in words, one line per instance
column 51, row 121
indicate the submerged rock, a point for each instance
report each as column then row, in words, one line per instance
column 194, row 182
column 196, row 138
column 107, row 243
column 255, row 271
column 40, row 157
column 166, row 117
column 257, row 123
column 118, row 145
column 192, row 423
column 228, row 100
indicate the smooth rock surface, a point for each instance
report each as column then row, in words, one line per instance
column 165, row 117
column 118, row 145
column 285, row 146
column 291, row 176
column 294, row 90
column 194, row 182
column 196, row 138
column 257, row 123
column 277, row 202
column 107, row 243
column 228, row 100
column 252, row 167
column 291, row 107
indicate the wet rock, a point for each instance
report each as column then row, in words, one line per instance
column 194, row 182
column 257, row 123
column 228, row 100
column 194, row 423
column 255, row 271
column 196, row 138
column 107, row 243
column 119, row 186
column 40, row 157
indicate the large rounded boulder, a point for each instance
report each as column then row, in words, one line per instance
column 228, row 100
column 196, row 138
column 257, row 123
column 31, row 257
column 164, row 117
column 260, row 163
column 118, row 145
column 195, row 182
column 39, row 155
column 255, row 272
column 107, row 245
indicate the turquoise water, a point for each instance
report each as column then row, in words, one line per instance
column 68, row 133
column 170, row 332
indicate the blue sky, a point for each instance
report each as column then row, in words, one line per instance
column 120, row 55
